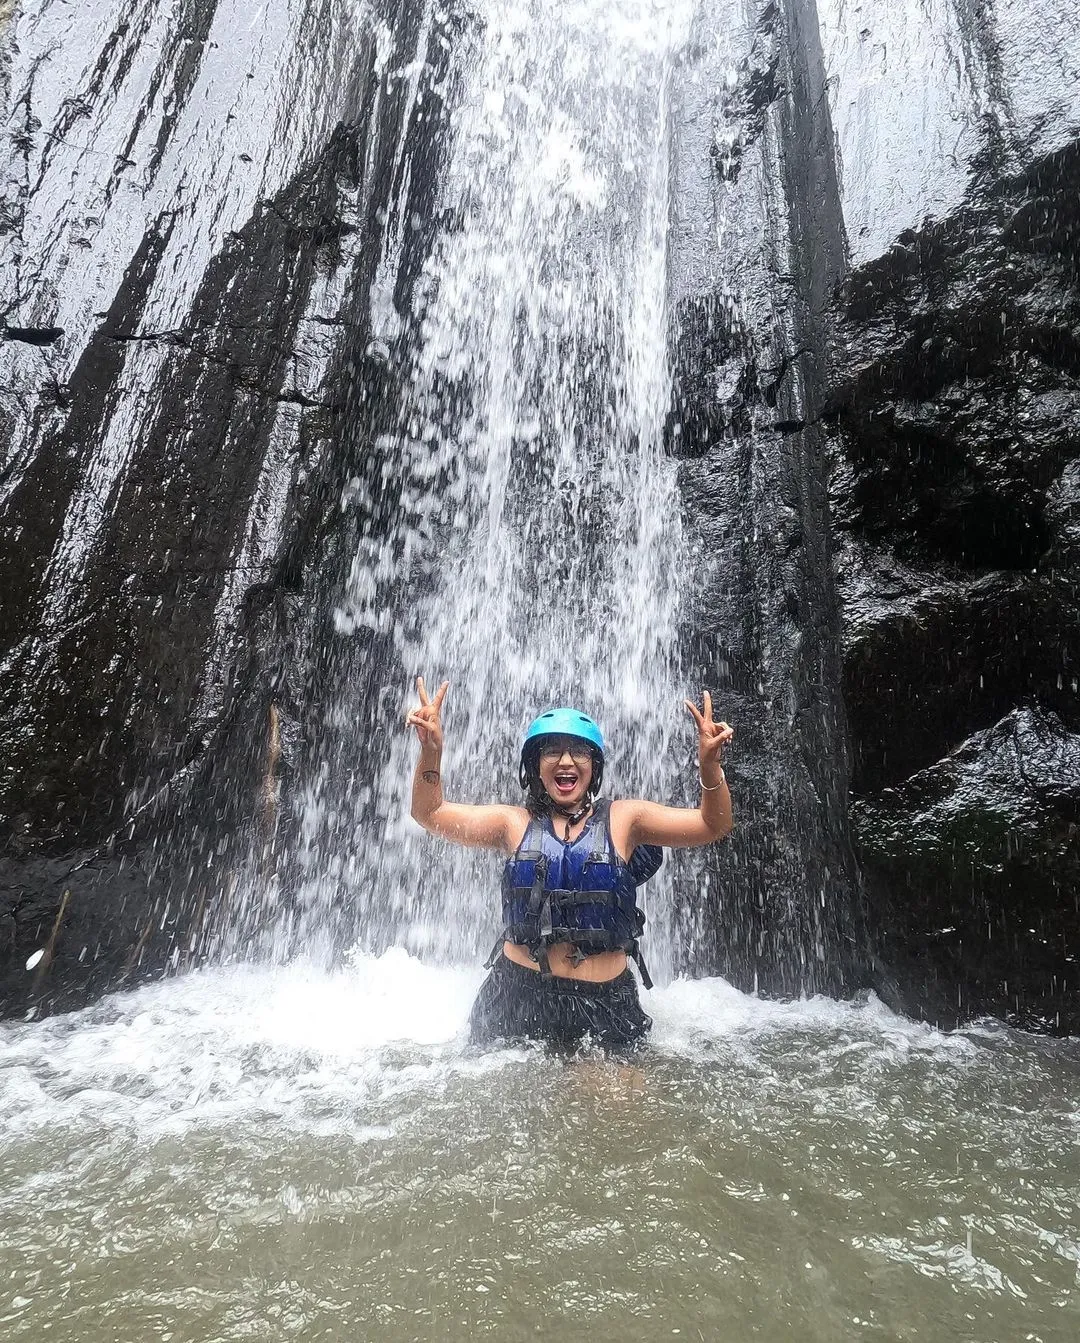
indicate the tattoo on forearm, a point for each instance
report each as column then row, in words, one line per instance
column 430, row 776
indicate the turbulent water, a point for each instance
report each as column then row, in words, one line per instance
column 534, row 552
column 255, row 1154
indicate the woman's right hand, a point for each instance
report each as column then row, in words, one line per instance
column 426, row 718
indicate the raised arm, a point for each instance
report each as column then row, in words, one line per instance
column 689, row 827
column 491, row 827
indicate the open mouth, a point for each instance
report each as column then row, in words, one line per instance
column 565, row 781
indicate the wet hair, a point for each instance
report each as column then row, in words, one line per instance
column 538, row 801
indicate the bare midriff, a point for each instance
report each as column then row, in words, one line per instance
column 596, row 969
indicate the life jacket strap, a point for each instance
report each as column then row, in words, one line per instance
column 540, row 954
column 536, row 890
column 603, row 849
column 643, row 969
column 583, row 897
column 632, row 949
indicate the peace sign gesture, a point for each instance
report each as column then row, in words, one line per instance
column 426, row 719
column 712, row 737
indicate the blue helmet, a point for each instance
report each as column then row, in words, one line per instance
column 562, row 723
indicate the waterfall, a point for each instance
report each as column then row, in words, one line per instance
column 336, row 349
column 534, row 550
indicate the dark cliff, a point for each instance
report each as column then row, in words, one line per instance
column 875, row 414
column 194, row 210
column 953, row 416
column 956, row 412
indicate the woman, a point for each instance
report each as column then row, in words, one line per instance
column 559, row 971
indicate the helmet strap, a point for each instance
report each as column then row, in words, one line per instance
column 575, row 816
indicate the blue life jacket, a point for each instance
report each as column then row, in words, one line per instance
column 579, row 892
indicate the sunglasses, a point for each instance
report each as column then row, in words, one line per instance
column 579, row 753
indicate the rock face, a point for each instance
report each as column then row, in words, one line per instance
column 958, row 433
column 954, row 410
column 876, row 412
column 194, row 208
column 786, row 915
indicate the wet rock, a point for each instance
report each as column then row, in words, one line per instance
column 974, row 867
column 955, row 408
column 874, row 292
column 114, row 702
column 1063, row 519
column 747, row 92
column 32, row 335
column 779, row 909
column 714, row 376
column 191, row 227
column 931, row 657
column 77, row 924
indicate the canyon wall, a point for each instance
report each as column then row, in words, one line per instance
column 211, row 224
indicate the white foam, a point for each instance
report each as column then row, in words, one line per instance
column 316, row 1050
column 288, row 1042
column 690, row 1015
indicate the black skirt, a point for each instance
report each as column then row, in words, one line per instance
column 515, row 1003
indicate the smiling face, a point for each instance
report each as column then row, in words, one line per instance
column 566, row 770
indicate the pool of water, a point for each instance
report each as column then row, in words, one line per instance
column 284, row 1153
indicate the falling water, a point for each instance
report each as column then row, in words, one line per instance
column 534, row 554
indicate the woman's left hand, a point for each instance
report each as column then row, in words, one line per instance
column 712, row 737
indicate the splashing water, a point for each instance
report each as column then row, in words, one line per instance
column 535, row 554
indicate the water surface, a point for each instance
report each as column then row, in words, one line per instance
column 289, row 1154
